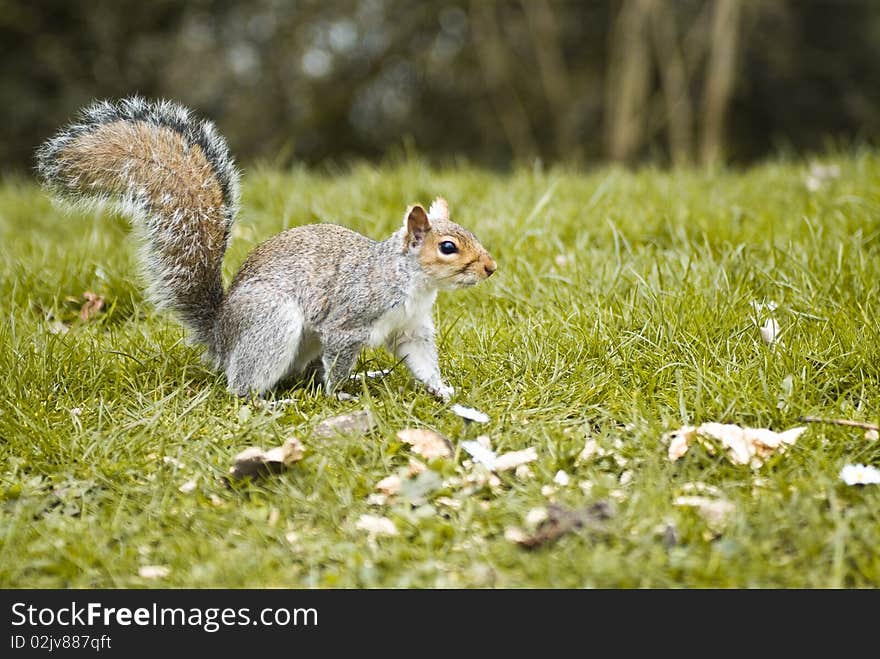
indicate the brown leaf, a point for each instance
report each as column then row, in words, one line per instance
column 561, row 520
column 743, row 445
column 426, row 443
column 254, row 462
column 359, row 422
column 92, row 305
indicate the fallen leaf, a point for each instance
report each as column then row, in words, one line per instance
column 860, row 474
column 591, row 449
column 417, row 490
column 872, row 435
column 374, row 525
column 524, row 472
column 426, row 443
column 714, row 511
column 743, row 445
column 469, row 413
column 254, row 462
column 174, row 462
column 560, row 520
column 449, row 502
column 377, row 499
column 480, row 453
column 359, row 422
column 188, row 486
column 92, row 305
column 679, row 442
column 561, row 478
column 514, row 459
column 769, row 331
column 370, row 374
column 154, row 571
column 389, row 486
column 535, row 516
column 57, row 327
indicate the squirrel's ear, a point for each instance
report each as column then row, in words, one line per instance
column 417, row 226
column 439, row 210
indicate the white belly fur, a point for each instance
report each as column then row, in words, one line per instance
column 415, row 312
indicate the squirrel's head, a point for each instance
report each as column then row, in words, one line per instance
column 448, row 253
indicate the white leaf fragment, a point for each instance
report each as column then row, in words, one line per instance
column 859, row 474
column 714, row 511
column 743, row 445
column 154, row 571
column 188, row 486
column 375, row 525
column 769, row 331
column 561, row 478
column 514, row 459
column 359, row 422
column 481, row 454
column 470, row 414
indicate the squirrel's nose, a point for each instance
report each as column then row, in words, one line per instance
column 490, row 266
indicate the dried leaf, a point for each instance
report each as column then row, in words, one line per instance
column 514, row 459
column 561, row 478
column 743, row 445
column 417, row 490
column 679, row 442
column 524, row 472
column 254, row 462
column 174, row 462
column 469, row 413
column 389, row 486
column 560, row 520
column 57, row 327
column 591, row 449
column 374, row 525
column 714, row 511
column 359, row 422
column 426, row 443
column 480, row 453
column 154, row 571
column 860, row 474
column 92, row 305
column 188, row 486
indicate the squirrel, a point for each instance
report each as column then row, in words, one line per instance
column 310, row 297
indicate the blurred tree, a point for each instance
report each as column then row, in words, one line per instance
column 672, row 81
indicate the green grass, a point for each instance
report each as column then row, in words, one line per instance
column 621, row 310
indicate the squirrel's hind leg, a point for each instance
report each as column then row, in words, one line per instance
column 265, row 350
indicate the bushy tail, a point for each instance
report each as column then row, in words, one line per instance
column 172, row 174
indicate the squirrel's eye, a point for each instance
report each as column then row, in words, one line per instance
column 448, row 247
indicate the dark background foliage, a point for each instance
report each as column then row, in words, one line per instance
column 663, row 81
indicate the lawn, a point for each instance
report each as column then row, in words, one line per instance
column 622, row 309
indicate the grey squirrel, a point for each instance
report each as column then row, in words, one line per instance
column 309, row 297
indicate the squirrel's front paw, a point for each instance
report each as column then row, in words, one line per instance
column 444, row 392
